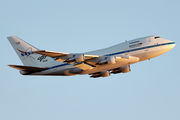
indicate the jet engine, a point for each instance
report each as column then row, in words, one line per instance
column 101, row 74
column 76, row 58
column 108, row 60
column 123, row 69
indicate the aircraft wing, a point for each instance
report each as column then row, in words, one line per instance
column 51, row 53
column 83, row 66
column 60, row 56
column 82, row 61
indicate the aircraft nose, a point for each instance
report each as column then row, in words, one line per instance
column 174, row 44
column 171, row 44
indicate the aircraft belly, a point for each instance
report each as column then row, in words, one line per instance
column 149, row 53
column 158, row 51
column 60, row 71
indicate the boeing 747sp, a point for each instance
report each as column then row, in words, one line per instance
column 99, row 63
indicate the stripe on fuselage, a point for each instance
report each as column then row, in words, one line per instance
column 117, row 53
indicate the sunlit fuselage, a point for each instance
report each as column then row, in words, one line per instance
column 142, row 48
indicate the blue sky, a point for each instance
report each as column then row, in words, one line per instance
column 150, row 91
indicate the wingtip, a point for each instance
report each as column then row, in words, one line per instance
column 11, row 65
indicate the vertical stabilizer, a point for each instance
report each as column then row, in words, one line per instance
column 25, row 53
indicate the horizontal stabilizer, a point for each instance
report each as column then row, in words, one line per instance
column 27, row 68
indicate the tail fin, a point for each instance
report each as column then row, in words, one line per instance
column 25, row 53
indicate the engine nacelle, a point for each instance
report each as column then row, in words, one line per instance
column 101, row 74
column 105, row 73
column 76, row 58
column 108, row 60
column 123, row 69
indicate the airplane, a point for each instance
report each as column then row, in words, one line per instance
column 99, row 63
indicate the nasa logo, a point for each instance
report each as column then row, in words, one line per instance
column 26, row 54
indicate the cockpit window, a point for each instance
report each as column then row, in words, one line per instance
column 156, row 37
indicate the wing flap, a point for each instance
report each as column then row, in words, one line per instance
column 83, row 66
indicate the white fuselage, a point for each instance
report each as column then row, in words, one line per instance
column 142, row 48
